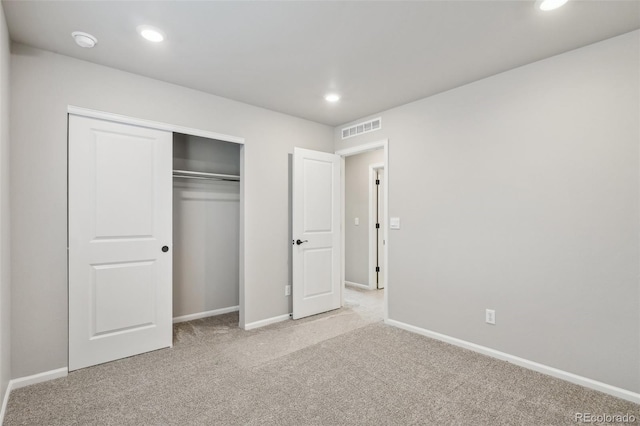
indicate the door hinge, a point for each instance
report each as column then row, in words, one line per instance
column 377, row 181
column 377, row 226
column 377, row 269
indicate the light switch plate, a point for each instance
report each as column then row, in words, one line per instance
column 356, row 221
column 490, row 316
column 394, row 222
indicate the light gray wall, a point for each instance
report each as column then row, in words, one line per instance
column 5, row 258
column 206, row 232
column 520, row 193
column 43, row 84
column 356, row 245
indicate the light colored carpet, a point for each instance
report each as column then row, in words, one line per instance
column 341, row 368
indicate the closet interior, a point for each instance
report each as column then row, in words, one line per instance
column 206, row 226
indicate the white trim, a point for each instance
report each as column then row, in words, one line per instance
column 385, row 227
column 241, row 246
column 5, row 401
column 343, row 228
column 45, row 376
column 358, row 285
column 205, row 314
column 371, row 146
column 21, row 382
column 85, row 112
column 359, row 149
column 264, row 322
column 531, row 365
column 373, row 241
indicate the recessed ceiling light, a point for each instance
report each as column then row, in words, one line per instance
column 332, row 97
column 547, row 5
column 151, row 33
column 84, row 39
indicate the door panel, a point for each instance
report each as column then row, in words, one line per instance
column 318, row 179
column 120, row 195
column 316, row 223
column 123, row 297
column 136, row 168
column 317, row 271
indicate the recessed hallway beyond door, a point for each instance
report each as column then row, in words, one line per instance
column 368, row 303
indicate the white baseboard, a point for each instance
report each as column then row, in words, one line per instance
column 38, row 378
column 5, row 401
column 30, row 380
column 531, row 365
column 262, row 323
column 358, row 285
column 206, row 314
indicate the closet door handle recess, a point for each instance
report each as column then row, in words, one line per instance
column 165, row 249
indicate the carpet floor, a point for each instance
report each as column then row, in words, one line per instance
column 344, row 367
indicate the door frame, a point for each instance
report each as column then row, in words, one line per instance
column 359, row 149
column 373, row 241
column 117, row 118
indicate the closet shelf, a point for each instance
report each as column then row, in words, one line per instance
column 187, row 174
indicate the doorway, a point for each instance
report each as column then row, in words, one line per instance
column 363, row 259
column 206, row 201
column 363, row 220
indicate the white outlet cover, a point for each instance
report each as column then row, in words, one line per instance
column 356, row 221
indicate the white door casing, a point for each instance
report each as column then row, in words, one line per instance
column 380, row 231
column 316, row 234
column 376, row 215
column 120, row 217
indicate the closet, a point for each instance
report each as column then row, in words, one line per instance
column 153, row 223
column 206, row 211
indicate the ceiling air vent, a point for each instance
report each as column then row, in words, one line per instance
column 360, row 128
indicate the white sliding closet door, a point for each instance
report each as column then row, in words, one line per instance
column 120, row 230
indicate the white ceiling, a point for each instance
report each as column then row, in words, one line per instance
column 286, row 55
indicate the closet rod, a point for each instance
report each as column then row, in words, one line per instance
column 202, row 175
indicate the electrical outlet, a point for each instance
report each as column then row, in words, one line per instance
column 287, row 290
column 490, row 316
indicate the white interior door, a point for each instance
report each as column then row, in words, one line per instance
column 316, row 232
column 120, row 194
